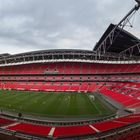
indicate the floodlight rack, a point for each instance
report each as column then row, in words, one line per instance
column 112, row 36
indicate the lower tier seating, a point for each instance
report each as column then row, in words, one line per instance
column 70, row 131
column 31, row 129
column 4, row 121
column 73, row 131
column 52, row 86
column 127, row 94
column 130, row 135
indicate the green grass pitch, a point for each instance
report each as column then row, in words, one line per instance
column 76, row 105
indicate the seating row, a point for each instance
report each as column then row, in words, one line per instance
column 70, row 131
column 52, row 86
column 70, row 68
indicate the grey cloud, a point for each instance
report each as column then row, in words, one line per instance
column 48, row 24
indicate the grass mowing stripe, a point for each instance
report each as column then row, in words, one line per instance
column 53, row 104
column 94, row 103
column 62, row 106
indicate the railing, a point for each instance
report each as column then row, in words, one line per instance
column 101, row 135
column 54, row 121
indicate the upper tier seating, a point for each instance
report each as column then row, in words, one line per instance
column 70, row 68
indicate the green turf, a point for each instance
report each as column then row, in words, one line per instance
column 54, row 104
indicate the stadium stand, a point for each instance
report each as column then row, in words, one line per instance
column 76, row 131
column 4, row 121
column 73, row 68
column 111, row 70
column 124, row 94
column 31, row 129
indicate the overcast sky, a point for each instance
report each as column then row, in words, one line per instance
column 29, row 25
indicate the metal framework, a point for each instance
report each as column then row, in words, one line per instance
column 65, row 56
column 134, row 50
column 111, row 37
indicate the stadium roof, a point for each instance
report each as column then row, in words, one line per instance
column 4, row 55
column 124, row 41
column 47, row 51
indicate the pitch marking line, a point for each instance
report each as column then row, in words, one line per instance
column 93, row 128
column 51, row 131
